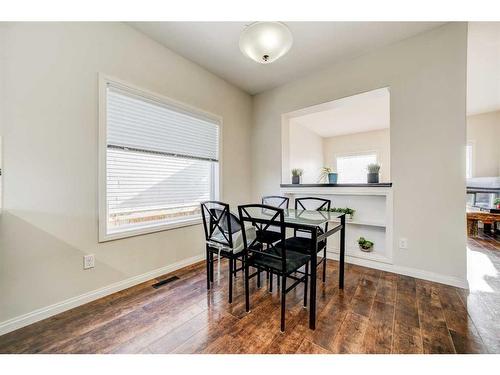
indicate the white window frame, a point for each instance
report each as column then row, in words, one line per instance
column 104, row 236
column 350, row 154
column 472, row 145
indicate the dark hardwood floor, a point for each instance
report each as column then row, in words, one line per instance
column 378, row 312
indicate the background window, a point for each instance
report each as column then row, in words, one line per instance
column 161, row 162
column 352, row 168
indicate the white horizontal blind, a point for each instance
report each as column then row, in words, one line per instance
column 352, row 168
column 161, row 162
column 140, row 123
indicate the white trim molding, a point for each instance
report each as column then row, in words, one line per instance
column 407, row 271
column 104, row 81
column 48, row 311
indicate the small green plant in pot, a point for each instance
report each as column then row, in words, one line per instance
column 373, row 173
column 328, row 175
column 365, row 245
column 497, row 203
column 348, row 211
column 296, row 174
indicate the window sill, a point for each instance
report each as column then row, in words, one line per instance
column 154, row 228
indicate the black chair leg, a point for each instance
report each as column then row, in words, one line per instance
column 271, row 282
column 247, row 292
column 324, row 264
column 305, row 284
column 283, row 302
column 258, row 277
column 211, row 267
column 208, row 269
column 278, row 281
column 231, row 280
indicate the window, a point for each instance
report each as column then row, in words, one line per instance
column 468, row 160
column 161, row 159
column 352, row 168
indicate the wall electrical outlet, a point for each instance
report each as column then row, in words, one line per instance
column 403, row 243
column 88, row 261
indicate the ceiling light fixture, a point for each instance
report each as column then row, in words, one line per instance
column 265, row 42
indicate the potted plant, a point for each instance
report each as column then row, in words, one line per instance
column 497, row 203
column 365, row 245
column 373, row 171
column 328, row 175
column 348, row 211
column 296, row 173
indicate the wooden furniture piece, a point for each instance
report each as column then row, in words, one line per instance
column 473, row 217
column 311, row 221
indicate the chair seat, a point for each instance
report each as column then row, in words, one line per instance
column 294, row 260
column 302, row 244
column 268, row 236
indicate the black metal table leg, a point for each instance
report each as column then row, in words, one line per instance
column 230, row 280
column 305, row 284
column 342, row 253
column 312, row 296
column 247, row 292
column 212, row 267
column 258, row 277
column 208, row 267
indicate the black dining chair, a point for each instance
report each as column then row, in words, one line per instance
column 302, row 239
column 271, row 235
column 278, row 258
column 222, row 228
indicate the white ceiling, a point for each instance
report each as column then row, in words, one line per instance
column 214, row 45
column 355, row 114
column 483, row 67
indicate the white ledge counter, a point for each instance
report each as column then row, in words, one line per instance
column 372, row 218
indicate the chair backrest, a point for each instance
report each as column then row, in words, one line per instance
column 275, row 201
column 273, row 217
column 219, row 223
column 313, row 204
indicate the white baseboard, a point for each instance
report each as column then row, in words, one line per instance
column 413, row 272
column 48, row 311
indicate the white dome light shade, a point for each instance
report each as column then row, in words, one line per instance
column 265, row 42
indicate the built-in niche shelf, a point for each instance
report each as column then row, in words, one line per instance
column 372, row 219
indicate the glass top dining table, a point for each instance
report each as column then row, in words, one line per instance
column 312, row 221
column 297, row 218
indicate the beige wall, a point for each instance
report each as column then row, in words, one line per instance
column 306, row 152
column 483, row 130
column 427, row 79
column 49, row 113
column 376, row 140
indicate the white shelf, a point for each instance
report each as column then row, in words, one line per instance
column 372, row 220
column 356, row 253
column 364, row 223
